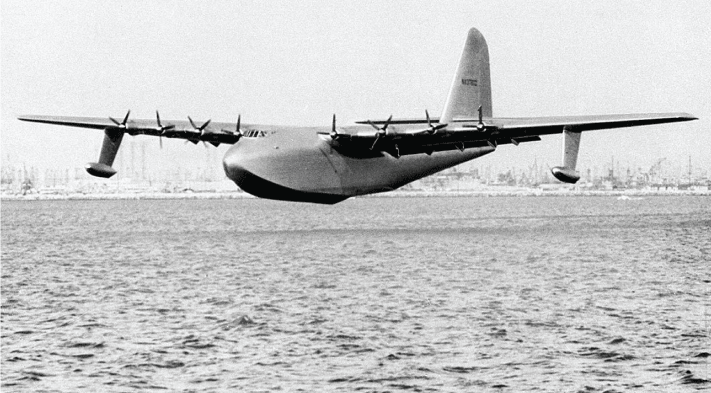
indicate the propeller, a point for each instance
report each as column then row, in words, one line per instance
column 483, row 127
column 480, row 126
column 334, row 133
column 433, row 129
column 237, row 132
column 200, row 130
column 382, row 132
column 162, row 129
column 124, row 124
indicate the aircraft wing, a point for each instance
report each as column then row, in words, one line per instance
column 83, row 122
column 114, row 130
column 213, row 133
column 555, row 124
column 465, row 133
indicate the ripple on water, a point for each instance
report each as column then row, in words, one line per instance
column 436, row 294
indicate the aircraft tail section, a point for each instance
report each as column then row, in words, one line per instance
column 471, row 86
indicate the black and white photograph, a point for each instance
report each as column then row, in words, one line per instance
column 398, row 196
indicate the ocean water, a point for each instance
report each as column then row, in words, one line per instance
column 503, row 294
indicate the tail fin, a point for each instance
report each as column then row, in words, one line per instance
column 471, row 86
column 112, row 141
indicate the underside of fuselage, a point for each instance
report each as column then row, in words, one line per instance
column 301, row 165
column 263, row 188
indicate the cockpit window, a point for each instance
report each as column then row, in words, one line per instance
column 255, row 134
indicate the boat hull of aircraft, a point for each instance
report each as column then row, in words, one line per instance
column 300, row 165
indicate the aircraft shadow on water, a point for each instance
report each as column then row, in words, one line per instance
column 331, row 164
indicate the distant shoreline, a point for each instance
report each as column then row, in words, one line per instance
column 392, row 194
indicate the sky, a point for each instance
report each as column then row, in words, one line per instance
column 297, row 63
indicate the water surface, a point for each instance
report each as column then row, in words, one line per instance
column 549, row 294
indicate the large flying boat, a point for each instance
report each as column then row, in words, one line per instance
column 332, row 163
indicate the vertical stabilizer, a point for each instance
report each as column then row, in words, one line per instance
column 471, row 86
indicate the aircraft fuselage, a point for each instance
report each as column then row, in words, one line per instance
column 299, row 164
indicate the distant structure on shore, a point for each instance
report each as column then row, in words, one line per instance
column 133, row 178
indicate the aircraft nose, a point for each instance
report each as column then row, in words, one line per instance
column 231, row 164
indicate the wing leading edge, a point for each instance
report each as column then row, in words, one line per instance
column 98, row 123
column 583, row 123
column 555, row 124
column 114, row 130
column 464, row 133
column 210, row 132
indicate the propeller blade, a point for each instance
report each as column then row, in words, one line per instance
column 334, row 133
column 239, row 119
column 377, row 138
column 160, row 141
column 161, row 127
column 125, row 120
column 387, row 123
column 480, row 126
column 382, row 132
column 201, row 129
column 433, row 129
